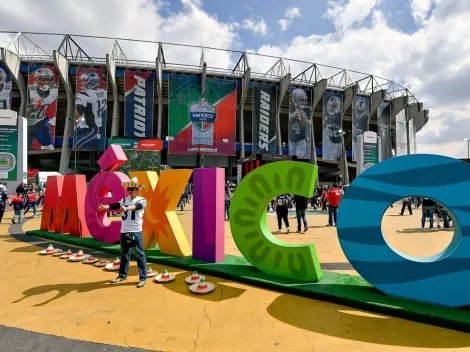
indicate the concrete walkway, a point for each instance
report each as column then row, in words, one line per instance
column 74, row 301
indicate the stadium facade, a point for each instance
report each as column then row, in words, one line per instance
column 211, row 107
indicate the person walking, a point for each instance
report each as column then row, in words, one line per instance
column 18, row 207
column 282, row 211
column 428, row 207
column 3, row 201
column 334, row 197
column 300, row 207
column 406, row 204
column 132, row 208
column 228, row 200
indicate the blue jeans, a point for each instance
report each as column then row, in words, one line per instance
column 139, row 256
column 445, row 218
column 29, row 206
column 332, row 214
column 428, row 211
column 227, row 208
column 301, row 216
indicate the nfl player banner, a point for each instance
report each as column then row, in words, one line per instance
column 360, row 121
column 41, row 113
column 400, row 133
column 383, row 130
column 300, row 120
column 91, row 107
column 332, row 112
column 264, row 118
column 138, row 103
column 202, row 125
column 5, row 88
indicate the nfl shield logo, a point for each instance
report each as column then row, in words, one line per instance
column 202, row 115
column 383, row 131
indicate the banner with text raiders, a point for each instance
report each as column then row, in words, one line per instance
column 264, row 118
column 202, row 124
column 138, row 103
column 91, row 108
column 360, row 120
column 383, row 129
column 41, row 112
column 5, row 88
column 300, row 120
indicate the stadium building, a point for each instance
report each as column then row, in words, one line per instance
column 209, row 107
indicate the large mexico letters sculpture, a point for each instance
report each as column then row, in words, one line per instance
column 440, row 279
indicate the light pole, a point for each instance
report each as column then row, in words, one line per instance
column 468, row 147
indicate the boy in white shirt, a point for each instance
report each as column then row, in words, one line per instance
column 132, row 208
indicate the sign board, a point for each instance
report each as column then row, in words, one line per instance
column 369, row 151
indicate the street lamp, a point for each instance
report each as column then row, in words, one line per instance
column 468, row 147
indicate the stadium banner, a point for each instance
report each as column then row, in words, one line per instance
column 300, row 120
column 332, row 112
column 400, row 133
column 383, row 130
column 91, row 108
column 201, row 125
column 41, row 111
column 138, row 103
column 142, row 155
column 360, row 121
column 5, row 88
column 264, row 118
column 8, row 145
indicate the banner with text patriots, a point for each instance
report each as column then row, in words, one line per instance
column 138, row 103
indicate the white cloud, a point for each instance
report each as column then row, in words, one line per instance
column 420, row 10
column 256, row 25
column 345, row 13
column 289, row 15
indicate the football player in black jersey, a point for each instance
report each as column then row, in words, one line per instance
column 282, row 203
column 299, row 125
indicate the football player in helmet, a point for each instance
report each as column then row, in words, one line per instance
column 90, row 109
column 359, row 125
column 41, row 114
column 5, row 90
column 332, row 125
column 299, row 125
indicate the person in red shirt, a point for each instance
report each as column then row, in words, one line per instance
column 334, row 197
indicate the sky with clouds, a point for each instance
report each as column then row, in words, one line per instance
column 421, row 44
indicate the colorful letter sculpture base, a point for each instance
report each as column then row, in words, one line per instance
column 209, row 198
column 442, row 279
column 161, row 224
column 249, row 227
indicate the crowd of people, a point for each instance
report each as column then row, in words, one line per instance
column 28, row 196
column 430, row 209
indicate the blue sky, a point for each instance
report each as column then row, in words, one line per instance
column 311, row 21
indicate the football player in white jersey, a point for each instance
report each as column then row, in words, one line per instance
column 299, row 125
column 91, row 108
column 133, row 208
column 42, row 108
column 5, row 90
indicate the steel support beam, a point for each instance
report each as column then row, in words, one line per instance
column 62, row 65
column 283, row 88
column 412, row 111
column 111, row 66
column 320, row 88
column 160, row 62
column 13, row 62
column 241, row 108
column 349, row 94
column 376, row 98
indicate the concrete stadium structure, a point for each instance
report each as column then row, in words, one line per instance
column 67, row 52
